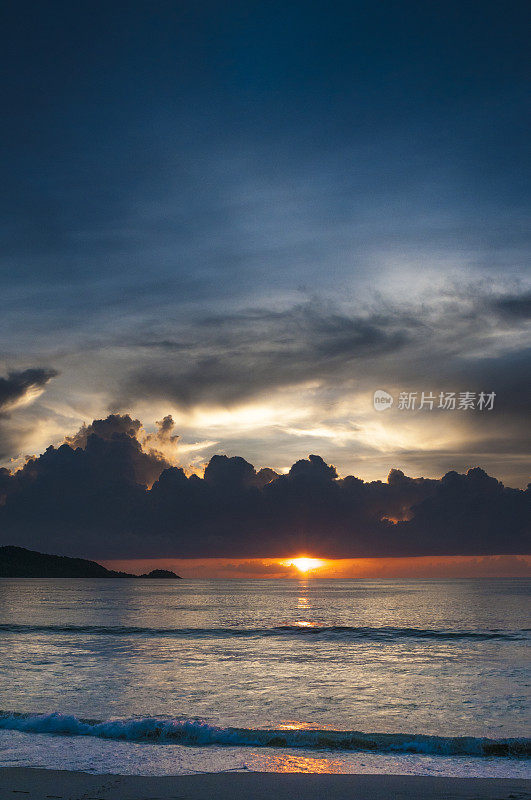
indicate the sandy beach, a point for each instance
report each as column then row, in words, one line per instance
column 40, row 784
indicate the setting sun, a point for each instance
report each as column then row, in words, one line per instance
column 306, row 564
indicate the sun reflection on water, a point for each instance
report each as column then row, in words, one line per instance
column 296, row 725
column 296, row 763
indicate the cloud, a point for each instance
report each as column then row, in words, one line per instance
column 91, row 497
column 226, row 359
column 164, row 442
column 245, row 569
column 18, row 390
column 118, row 443
column 269, row 382
column 110, row 428
column 307, row 371
column 21, row 388
column 514, row 306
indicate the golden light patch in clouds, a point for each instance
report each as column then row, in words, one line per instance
column 292, row 428
column 241, row 418
column 26, row 399
column 291, row 422
column 33, row 438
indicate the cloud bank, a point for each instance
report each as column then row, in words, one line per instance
column 91, row 497
column 275, row 380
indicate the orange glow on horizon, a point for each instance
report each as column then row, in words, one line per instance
column 422, row 567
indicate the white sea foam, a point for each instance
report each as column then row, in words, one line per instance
column 199, row 733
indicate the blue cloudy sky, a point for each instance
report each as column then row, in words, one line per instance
column 252, row 215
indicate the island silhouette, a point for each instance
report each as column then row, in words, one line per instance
column 18, row 562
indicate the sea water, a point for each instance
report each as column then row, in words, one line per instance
column 169, row 677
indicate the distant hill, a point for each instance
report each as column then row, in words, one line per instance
column 159, row 573
column 17, row 562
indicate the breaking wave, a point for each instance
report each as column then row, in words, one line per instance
column 199, row 733
column 344, row 632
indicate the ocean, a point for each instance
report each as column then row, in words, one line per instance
column 174, row 677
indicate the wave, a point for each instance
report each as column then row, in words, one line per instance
column 344, row 632
column 199, row 733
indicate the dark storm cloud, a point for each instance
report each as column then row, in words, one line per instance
column 448, row 343
column 114, row 425
column 93, row 501
column 515, row 306
column 239, row 356
column 112, row 447
column 18, row 387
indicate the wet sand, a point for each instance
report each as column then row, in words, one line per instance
column 21, row 783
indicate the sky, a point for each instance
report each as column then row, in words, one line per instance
column 420, row 568
column 252, row 216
